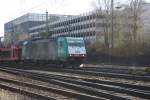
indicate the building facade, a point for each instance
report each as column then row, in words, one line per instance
column 19, row 28
column 87, row 25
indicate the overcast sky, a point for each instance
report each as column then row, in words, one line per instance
column 11, row 9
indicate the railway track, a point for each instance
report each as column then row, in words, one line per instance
column 91, row 87
column 105, row 74
column 115, row 70
column 134, row 90
column 129, row 70
column 79, row 88
column 70, row 94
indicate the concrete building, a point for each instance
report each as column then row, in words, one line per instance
column 31, row 24
column 87, row 25
column 19, row 28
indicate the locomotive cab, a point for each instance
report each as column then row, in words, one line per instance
column 71, row 49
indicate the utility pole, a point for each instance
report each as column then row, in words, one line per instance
column 1, row 44
column 112, row 24
column 111, row 43
column 47, row 27
column 12, row 34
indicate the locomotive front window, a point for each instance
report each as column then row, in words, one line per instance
column 79, row 44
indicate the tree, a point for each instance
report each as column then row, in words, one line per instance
column 103, row 8
column 135, row 8
column 135, row 13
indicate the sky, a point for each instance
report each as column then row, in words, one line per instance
column 11, row 9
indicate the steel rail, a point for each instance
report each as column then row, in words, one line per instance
column 104, row 74
column 92, row 72
column 112, row 70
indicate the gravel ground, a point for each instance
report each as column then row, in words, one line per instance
column 7, row 95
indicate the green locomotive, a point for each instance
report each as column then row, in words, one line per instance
column 62, row 49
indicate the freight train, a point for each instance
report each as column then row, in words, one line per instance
column 61, row 50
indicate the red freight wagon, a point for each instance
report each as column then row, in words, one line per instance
column 9, row 54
